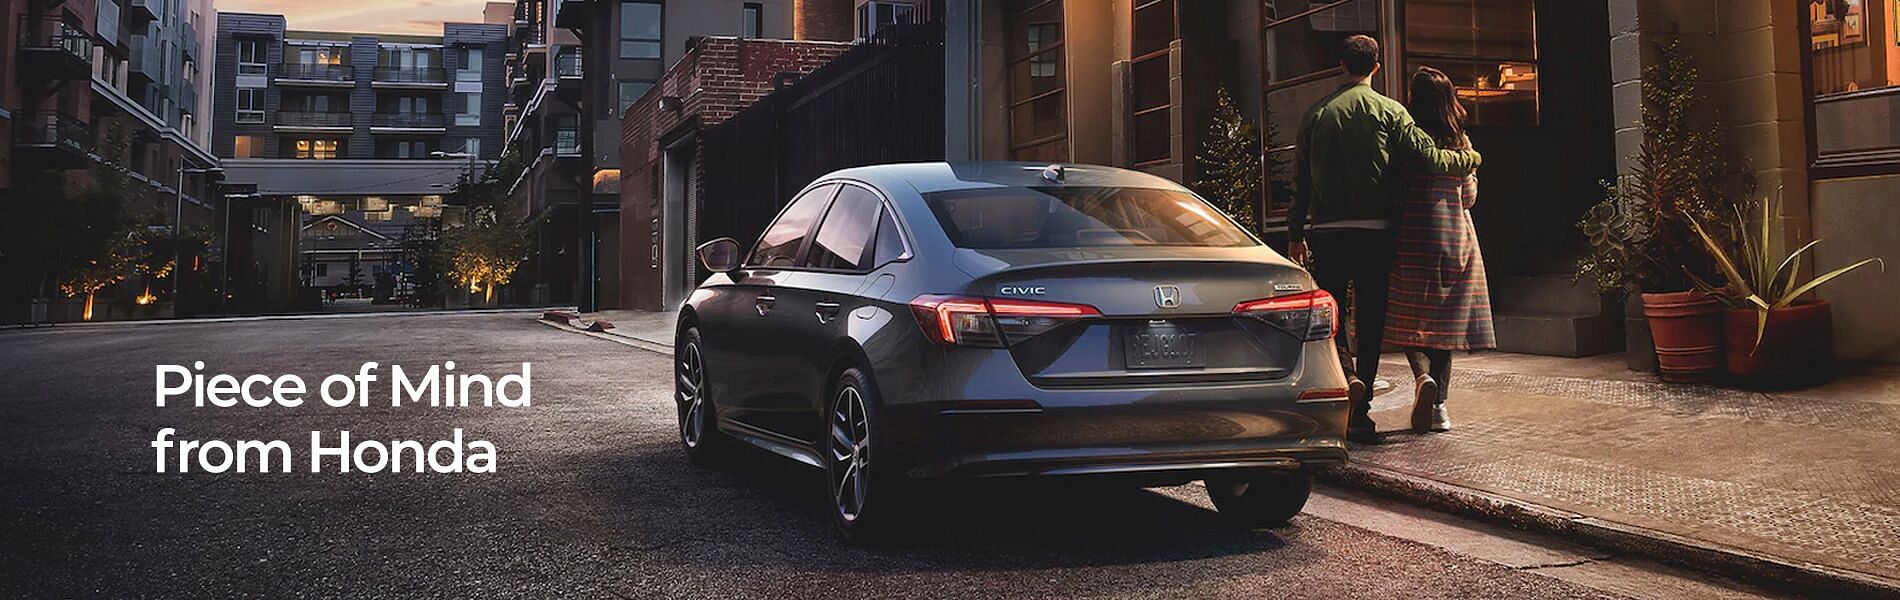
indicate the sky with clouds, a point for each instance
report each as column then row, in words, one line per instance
column 421, row 17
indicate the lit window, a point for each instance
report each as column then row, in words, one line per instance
column 1856, row 79
column 316, row 149
column 247, row 146
column 1487, row 47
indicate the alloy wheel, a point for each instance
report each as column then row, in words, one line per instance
column 850, row 453
column 691, row 389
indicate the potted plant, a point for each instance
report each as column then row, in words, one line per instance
column 1638, row 234
column 1775, row 337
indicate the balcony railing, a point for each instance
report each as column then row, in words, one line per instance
column 53, row 34
column 51, row 130
column 568, row 64
column 314, row 119
column 140, row 11
column 316, row 72
column 411, row 75
column 567, row 142
column 408, row 120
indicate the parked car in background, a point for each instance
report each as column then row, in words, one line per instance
column 899, row 324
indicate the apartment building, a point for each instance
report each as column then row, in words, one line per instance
column 365, row 133
column 82, row 75
column 567, row 111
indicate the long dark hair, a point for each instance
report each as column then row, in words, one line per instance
column 1435, row 107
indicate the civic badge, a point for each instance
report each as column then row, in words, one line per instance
column 1168, row 296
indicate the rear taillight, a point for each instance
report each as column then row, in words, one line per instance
column 1310, row 316
column 992, row 322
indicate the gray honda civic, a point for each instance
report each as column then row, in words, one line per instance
column 913, row 323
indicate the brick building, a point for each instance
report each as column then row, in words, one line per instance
column 660, row 152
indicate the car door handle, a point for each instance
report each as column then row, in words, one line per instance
column 828, row 311
column 764, row 304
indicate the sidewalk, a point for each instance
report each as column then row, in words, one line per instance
column 1799, row 487
column 1802, row 486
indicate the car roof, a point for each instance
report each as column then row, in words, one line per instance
column 927, row 178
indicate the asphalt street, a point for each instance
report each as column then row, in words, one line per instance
column 591, row 498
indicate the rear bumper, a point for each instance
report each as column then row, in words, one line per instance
column 977, row 416
column 1174, row 443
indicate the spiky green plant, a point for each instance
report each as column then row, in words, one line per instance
column 1757, row 278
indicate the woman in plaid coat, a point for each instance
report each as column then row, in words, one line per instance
column 1439, row 301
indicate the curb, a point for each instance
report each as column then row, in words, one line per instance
column 313, row 316
column 624, row 340
column 1754, row 567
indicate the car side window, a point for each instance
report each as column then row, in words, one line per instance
column 890, row 243
column 844, row 239
column 780, row 245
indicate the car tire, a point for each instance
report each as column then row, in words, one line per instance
column 698, row 421
column 1261, row 500
column 865, row 500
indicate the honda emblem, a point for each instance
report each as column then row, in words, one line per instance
column 1168, row 296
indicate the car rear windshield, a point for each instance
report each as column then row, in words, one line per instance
column 1070, row 217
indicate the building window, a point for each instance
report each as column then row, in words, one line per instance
column 247, row 146
column 1487, row 47
column 1151, row 96
column 1853, row 62
column 1038, row 99
column 250, row 105
column 472, row 147
column 316, row 149
column 754, row 25
column 877, row 16
column 252, row 57
column 321, row 55
column 471, row 67
column 1299, row 59
column 404, row 149
column 567, row 136
column 640, row 29
column 471, row 113
column 630, row 92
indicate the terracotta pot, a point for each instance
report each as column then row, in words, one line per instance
column 1687, row 329
column 1796, row 349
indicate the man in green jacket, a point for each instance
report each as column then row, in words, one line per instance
column 1355, row 148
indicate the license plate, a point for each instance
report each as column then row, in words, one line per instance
column 1160, row 346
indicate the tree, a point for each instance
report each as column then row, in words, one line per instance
column 488, row 247
column 1230, row 163
column 77, row 240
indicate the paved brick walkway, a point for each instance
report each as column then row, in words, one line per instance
column 1810, row 476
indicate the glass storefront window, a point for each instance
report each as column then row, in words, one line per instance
column 1487, row 47
column 1853, row 62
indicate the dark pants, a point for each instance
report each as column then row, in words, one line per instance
column 1437, row 364
column 1362, row 260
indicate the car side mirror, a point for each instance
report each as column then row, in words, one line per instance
column 720, row 255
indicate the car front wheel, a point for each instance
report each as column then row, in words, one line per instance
column 698, row 424
column 1267, row 500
